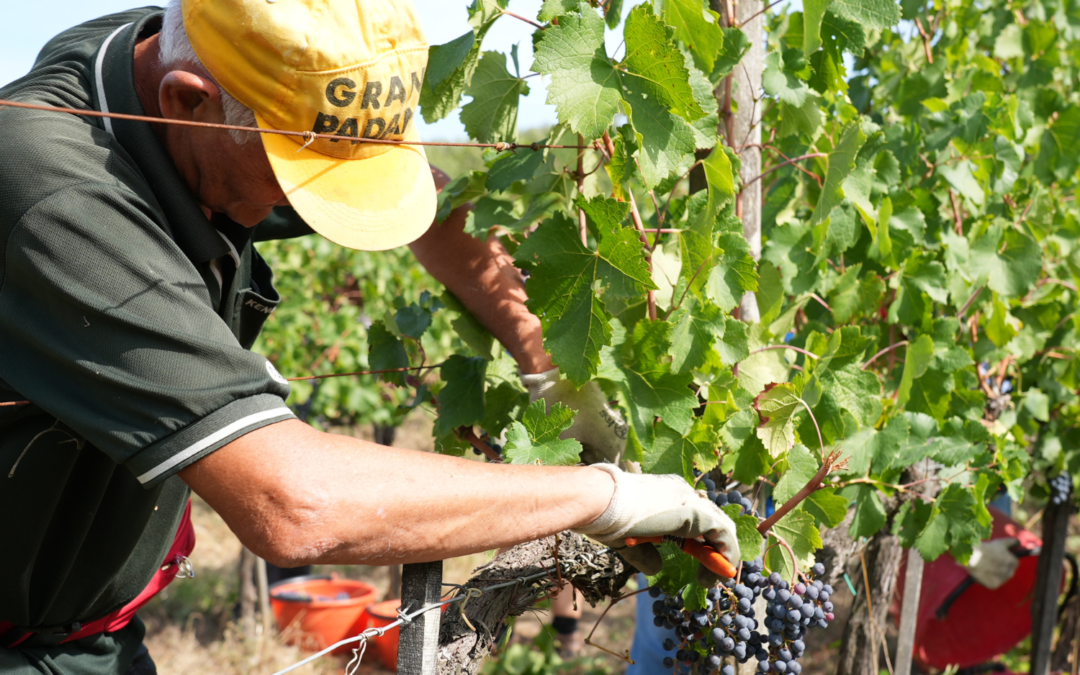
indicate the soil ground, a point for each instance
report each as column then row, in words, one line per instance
column 192, row 627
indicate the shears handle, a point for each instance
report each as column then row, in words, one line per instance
column 708, row 556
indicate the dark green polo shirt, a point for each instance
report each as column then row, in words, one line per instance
column 126, row 319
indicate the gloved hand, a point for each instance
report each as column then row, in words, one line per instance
column 652, row 506
column 599, row 428
column 992, row 563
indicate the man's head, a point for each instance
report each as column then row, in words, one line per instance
column 349, row 68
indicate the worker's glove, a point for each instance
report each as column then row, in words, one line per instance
column 992, row 563
column 655, row 506
column 598, row 427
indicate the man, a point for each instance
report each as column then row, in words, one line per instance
column 130, row 293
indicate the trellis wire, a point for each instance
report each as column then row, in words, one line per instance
column 308, row 136
column 403, row 617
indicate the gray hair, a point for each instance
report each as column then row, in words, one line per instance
column 177, row 52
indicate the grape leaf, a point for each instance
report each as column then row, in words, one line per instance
column 584, row 83
column 892, row 449
column 468, row 328
column 386, row 352
column 604, row 214
column 535, row 439
column 1057, row 158
column 514, row 166
column 849, row 35
column 841, row 163
column 770, row 293
column 801, row 533
column 491, row 116
column 746, row 532
column 959, row 175
column 679, row 570
column 696, row 326
column 561, row 288
column 856, row 294
column 453, row 64
column 555, row 8
column 801, row 468
column 461, row 401
column 664, row 140
column 921, row 274
column 806, row 118
column 932, row 393
column 827, row 507
column 488, row 212
column 720, row 177
column 451, row 56
column 750, row 462
column 916, row 361
column 650, row 390
column 655, row 67
column 1009, row 260
column 781, row 84
column 613, row 13
column 813, row 13
column 699, row 29
column 736, row 44
column 735, row 345
column 869, row 513
column 734, row 274
column 621, row 166
column 673, row 453
column 738, row 428
column 503, row 404
column 777, row 406
column 869, row 13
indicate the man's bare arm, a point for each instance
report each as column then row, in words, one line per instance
column 298, row 496
column 482, row 275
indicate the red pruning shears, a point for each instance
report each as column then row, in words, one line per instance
column 706, row 554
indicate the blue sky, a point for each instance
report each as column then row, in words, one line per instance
column 27, row 26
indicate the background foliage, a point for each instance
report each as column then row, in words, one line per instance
column 917, row 284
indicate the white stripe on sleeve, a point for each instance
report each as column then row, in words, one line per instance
column 196, row 448
column 100, row 80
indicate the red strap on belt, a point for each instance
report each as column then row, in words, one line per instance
column 183, row 544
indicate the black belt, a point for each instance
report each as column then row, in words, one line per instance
column 17, row 636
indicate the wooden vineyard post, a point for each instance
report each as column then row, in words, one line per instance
column 909, row 612
column 418, row 646
column 1047, row 584
column 745, row 138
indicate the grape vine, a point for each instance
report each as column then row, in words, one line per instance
column 916, row 287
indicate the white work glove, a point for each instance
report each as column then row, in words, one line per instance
column 992, row 563
column 598, row 427
column 654, row 506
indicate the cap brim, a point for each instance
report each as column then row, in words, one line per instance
column 370, row 204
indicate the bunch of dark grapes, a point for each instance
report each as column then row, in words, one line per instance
column 491, row 443
column 1060, row 488
column 728, row 627
column 730, row 497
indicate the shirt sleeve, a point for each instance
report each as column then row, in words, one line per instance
column 105, row 324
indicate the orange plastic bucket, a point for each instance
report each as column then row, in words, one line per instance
column 378, row 615
column 315, row 612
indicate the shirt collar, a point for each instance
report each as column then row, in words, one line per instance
column 190, row 228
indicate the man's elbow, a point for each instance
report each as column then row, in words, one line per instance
column 292, row 532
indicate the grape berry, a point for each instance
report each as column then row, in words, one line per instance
column 727, row 625
column 722, row 499
column 1060, row 488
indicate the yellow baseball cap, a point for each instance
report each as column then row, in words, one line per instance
column 344, row 67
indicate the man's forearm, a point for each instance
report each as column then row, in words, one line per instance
column 483, row 277
column 312, row 497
